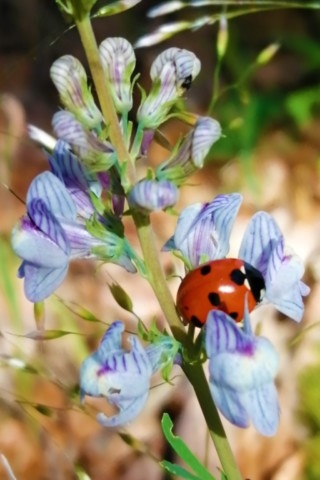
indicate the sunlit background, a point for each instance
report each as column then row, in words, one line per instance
column 269, row 107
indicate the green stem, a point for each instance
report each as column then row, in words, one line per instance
column 157, row 277
column 104, row 95
column 196, row 376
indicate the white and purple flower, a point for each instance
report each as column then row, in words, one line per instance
column 52, row 233
column 203, row 233
column 242, row 368
column 123, row 377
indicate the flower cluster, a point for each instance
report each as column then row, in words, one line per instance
column 75, row 211
column 242, row 366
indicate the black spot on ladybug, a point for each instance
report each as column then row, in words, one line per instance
column 237, row 277
column 214, row 299
column 187, row 82
column 196, row 322
column 205, row 270
column 256, row 281
column 234, row 315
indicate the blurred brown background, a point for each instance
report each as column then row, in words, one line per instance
column 270, row 153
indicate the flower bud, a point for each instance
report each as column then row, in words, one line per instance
column 192, row 151
column 153, row 195
column 118, row 61
column 172, row 72
column 70, row 79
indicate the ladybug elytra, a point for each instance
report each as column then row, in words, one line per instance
column 219, row 285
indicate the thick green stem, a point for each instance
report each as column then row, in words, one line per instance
column 199, row 382
column 156, row 275
column 103, row 92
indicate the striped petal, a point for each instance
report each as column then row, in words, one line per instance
column 53, row 194
column 261, row 235
column 242, row 368
column 203, row 230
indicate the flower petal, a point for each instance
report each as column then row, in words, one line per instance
column 35, row 246
column 203, row 230
column 40, row 282
column 258, row 241
column 152, row 195
column 129, row 411
column 47, row 187
column 283, row 286
column 242, row 368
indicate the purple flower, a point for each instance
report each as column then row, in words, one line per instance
column 122, row 376
column 118, row 61
column 172, row 73
column 191, row 153
column 152, row 195
column 242, row 369
column 203, row 232
column 51, row 234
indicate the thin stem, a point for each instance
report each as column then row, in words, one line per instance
column 103, row 92
column 199, row 382
column 156, row 275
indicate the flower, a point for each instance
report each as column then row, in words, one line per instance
column 203, row 229
column 191, row 153
column 242, row 368
column 118, row 61
column 203, row 232
column 122, row 377
column 51, row 234
column 172, row 73
column 70, row 79
column 153, row 195
column 96, row 154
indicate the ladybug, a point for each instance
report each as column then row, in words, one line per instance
column 219, row 285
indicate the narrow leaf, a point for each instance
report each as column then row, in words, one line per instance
column 175, row 469
column 183, row 450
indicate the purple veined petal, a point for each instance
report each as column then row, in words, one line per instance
column 231, row 405
column 283, row 286
column 259, row 238
column 126, row 414
column 47, row 187
column 242, row 368
column 264, row 409
column 204, row 230
column 41, row 282
column 223, row 334
column 111, row 341
column 35, row 246
column 153, row 195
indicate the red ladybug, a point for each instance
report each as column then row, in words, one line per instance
column 219, row 285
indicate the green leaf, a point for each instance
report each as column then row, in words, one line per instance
column 81, row 312
column 175, row 469
column 121, row 297
column 46, row 334
column 183, row 450
column 115, row 8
